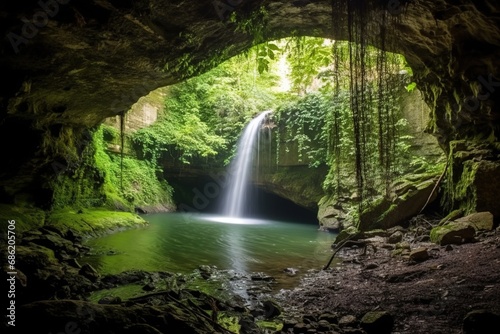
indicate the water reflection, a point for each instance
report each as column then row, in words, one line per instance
column 182, row 242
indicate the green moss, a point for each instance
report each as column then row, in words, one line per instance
column 102, row 179
column 129, row 181
column 270, row 326
column 229, row 322
column 455, row 214
column 94, row 221
column 460, row 191
column 26, row 218
column 375, row 212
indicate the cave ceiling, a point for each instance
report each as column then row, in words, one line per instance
column 77, row 62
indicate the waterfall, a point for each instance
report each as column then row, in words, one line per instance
column 241, row 168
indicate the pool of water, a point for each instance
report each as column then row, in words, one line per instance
column 181, row 242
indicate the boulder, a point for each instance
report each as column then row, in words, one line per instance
column 395, row 237
column 452, row 233
column 386, row 213
column 349, row 233
column 419, row 254
column 481, row 322
column 347, row 320
column 271, row 309
column 329, row 217
column 331, row 318
column 379, row 322
column 480, row 221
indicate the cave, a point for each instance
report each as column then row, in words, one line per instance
column 70, row 66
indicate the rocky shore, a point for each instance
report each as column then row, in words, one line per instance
column 426, row 277
column 402, row 283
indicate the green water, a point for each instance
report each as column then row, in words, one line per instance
column 181, row 242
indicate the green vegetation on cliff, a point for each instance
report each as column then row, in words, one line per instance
column 102, row 179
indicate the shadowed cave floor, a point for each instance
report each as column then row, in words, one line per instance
column 432, row 296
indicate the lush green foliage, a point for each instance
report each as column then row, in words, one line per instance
column 136, row 181
column 304, row 123
column 205, row 115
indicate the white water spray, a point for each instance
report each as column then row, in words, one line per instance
column 241, row 168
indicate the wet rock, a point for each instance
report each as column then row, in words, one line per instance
column 347, row 320
column 419, row 254
column 207, row 271
column 452, row 233
column 248, row 326
column 271, row 309
column 261, row 277
column 89, row 272
column 300, row 328
column 291, row 271
column 309, row 318
column 379, row 322
column 330, row 217
column 481, row 322
column 289, row 324
column 331, row 318
column 324, row 325
column 480, row 221
column 395, row 237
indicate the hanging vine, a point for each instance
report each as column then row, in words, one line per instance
column 373, row 79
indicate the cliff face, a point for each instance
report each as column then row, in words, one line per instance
column 67, row 65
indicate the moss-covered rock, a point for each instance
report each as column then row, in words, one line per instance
column 473, row 177
column 349, row 233
column 480, row 221
column 93, row 222
column 408, row 199
column 452, row 233
column 299, row 184
column 378, row 322
column 26, row 218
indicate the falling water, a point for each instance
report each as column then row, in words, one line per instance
column 241, row 168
